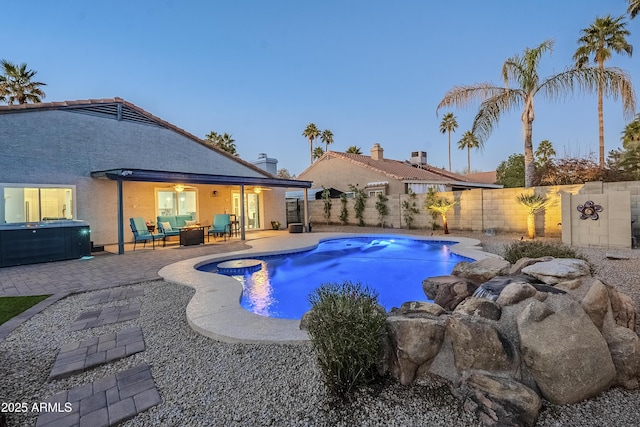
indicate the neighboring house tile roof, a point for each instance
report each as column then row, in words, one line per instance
column 399, row 170
column 108, row 107
column 489, row 177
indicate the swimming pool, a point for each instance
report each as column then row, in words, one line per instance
column 394, row 267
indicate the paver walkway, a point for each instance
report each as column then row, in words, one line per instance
column 105, row 316
column 115, row 295
column 105, row 402
column 82, row 355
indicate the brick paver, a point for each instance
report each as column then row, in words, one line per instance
column 105, row 316
column 80, row 356
column 105, row 402
column 115, row 295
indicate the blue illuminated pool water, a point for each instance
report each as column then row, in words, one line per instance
column 394, row 267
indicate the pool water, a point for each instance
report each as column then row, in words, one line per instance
column 394, row 267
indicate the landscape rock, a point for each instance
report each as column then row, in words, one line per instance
column 447, row 291
column 568, row 357
column 481, row 307
column 558, row 270
column 624, row 346
column 414, row 342
column 525, row 262
column 498, row 401
column 479, row 346
column 481, row 271
column 420, row 308
column 624, row 310
column 515, row 292
column 596, row 303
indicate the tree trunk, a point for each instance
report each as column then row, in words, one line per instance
column 601, row 115
column 529, row 169
column 444, row 224
column 449, row 151
column 310, row 151
column 468, row 160
column 531, row 226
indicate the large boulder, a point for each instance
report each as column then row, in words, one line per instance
column 447, row 291
column 558, row 270
column 565, row 352
column 479, row 346
column 419, row 309
column 624, row 346
column 480, row 307
column 498, row 400
column 415, row 341
column 525, row 262
column 481, row 271
column 515, row 292
column 623, row 308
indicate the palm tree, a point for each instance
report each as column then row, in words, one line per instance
column 16, row 84
column 468, row 141
column 354, row 150
column 600, row 39
column 327, row 138
column 634, row 8
column 441, row 205
column 311, row 132
column 224, row 142
column 631, row 133
column 544, row 153
column 522, row 72
column 534, row 204
column 448, row 124
column 317, row 152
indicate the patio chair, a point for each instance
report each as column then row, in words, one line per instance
column 221, row 226
column 142, row 234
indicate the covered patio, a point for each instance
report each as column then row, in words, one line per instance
column 197, row 180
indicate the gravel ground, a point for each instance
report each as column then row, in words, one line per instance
column 208, row 383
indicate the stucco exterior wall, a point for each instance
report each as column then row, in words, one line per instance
column 63, row 147
column 339, row 173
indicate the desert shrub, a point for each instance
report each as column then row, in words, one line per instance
column 410, row 209
column 326, row 204
column 346, row 326
column 360, row 203
column 344, row 212
column 537, row 249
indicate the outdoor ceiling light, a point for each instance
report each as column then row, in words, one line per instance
column 257, row 190
column 179, row 188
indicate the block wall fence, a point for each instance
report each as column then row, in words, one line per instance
column 480, row 210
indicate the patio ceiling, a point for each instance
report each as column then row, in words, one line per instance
column 196, row 178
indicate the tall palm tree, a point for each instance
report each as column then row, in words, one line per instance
column 468, row 141
column 448, row 124
column 16, row 84
column 317, row 153
column 327, row 138
column 544, row 152
column 224, row 142
column 634, row 8
column 311, row 132
column 354, row 150
column 604, row 36
column 522, row 84
column 631, row 133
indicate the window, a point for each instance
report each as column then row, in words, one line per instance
column 374, row 193
column 35, row 203
column 172, row 202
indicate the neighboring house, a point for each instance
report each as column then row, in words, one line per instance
column 104, row 161
column 489, row 177
column 379, row 175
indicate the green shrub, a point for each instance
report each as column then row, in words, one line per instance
column 537, row 249
column 344, row 212
column 346, row 326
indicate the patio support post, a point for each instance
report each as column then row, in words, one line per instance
column 242, row 236
column 120, row 219
column 306, row 210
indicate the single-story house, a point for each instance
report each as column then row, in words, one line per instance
column 104, row 161
column 377, row 174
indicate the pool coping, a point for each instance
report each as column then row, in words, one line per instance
column 214, row 311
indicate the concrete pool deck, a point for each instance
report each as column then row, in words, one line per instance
column 215, row 311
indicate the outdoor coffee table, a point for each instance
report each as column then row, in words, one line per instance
column 192, row 235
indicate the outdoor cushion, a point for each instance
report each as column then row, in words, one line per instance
column 166, row 226
column 190, row 223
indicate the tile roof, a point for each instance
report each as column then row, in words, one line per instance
column 399, row 170
column 86, row 103
column 489, row 177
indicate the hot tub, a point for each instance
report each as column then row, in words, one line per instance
column 34, row 242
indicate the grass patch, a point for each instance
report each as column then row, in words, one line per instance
column 537, row 249
column 12, row 306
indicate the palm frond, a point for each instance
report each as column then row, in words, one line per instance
column 462, row 96
column 491, row 110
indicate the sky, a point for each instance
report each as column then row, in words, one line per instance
column 370, row 71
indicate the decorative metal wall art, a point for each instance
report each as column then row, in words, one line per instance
column 589, row 210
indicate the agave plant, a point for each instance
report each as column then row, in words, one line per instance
column 534, row 204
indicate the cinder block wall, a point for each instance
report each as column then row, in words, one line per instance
column 479, row 210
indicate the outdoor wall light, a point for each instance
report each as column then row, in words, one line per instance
column 179, row 188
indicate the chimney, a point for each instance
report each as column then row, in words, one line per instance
column 376, row 152
column 266, row 163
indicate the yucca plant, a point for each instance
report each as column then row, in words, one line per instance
column 534, row 204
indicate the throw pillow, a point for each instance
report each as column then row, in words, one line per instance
column 166, row 226
column 190, row 223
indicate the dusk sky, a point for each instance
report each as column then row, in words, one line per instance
column 370, row 71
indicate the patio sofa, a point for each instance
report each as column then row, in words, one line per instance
column 176, row 222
